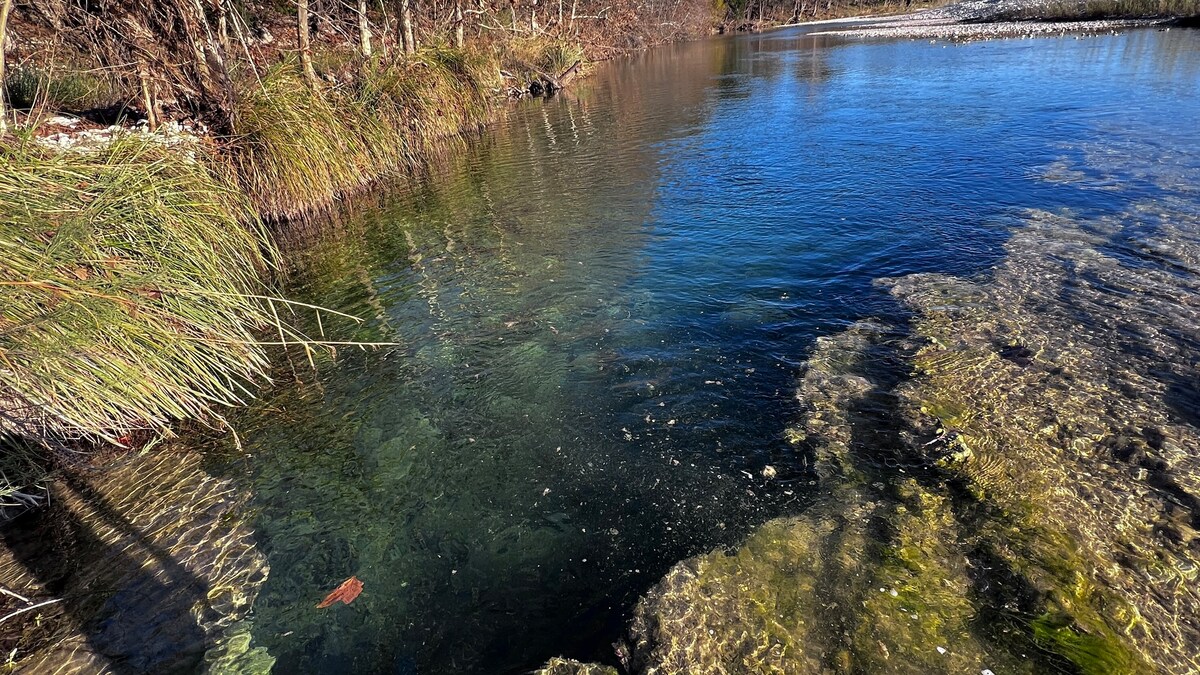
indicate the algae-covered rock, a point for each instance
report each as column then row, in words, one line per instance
column 1051, row 390
column 865, row 580
column 820, row 593
column 233, row 653
column 560, row 666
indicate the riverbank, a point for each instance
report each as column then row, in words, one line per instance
column 265, row 135
column 994, row 19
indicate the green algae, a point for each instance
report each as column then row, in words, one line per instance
column 1046, row 521
column 235, row 654
column 1035, row 416
column 1091, row 654
column 560, row 666
column 823, row 591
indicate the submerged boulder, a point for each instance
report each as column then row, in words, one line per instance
column 1050, row 391
column 561, row 666
column 821, row 593
column 868, row 579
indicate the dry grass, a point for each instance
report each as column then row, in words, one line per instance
column 298, row 150
column 132, row 294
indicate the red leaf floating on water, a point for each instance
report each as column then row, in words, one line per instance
column 345, row 593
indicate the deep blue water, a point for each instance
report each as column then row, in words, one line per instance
column 601, row 308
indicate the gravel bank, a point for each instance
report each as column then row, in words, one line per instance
column 981, row 20
column 917, row 26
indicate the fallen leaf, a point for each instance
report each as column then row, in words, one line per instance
column 81, row 273
column 345, row 593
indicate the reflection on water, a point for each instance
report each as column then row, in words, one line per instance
column 601, row 311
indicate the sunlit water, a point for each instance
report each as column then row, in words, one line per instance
column 599, row 311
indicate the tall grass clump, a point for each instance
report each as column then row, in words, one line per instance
column 527, row 58
column 28, row 87
column 297, row 149
column 293, row 149
column 430, row 97
column 131, row 290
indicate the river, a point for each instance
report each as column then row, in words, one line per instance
column 599, row 314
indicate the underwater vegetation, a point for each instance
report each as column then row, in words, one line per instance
column 1019, row 494
column 1054, row 393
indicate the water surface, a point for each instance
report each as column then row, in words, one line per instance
column 600, row 311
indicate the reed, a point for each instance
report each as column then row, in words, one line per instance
column 297, row 149
column 131, row 294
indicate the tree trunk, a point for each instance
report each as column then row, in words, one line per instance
column 406, row 26
column 364, row 30
column 148, row 95
column 306, row 64
column 385, row 32
column 5, row 8
column 458, row 24
column 533, row 17
column 223, row 25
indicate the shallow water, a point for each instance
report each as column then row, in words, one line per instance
column 600, row 311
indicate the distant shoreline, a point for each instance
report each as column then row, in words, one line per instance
column 986, row 19
column 957, row 31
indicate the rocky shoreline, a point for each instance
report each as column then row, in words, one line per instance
column 990, row 19
column 919, row 27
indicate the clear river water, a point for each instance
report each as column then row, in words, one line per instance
column 601, row 310
column 599, row 315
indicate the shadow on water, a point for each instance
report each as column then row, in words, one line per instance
column 129, row 597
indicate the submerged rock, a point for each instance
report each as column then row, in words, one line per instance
column 560, row 666
column 821, row 593
column 862, row 581
column 1080, row 456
